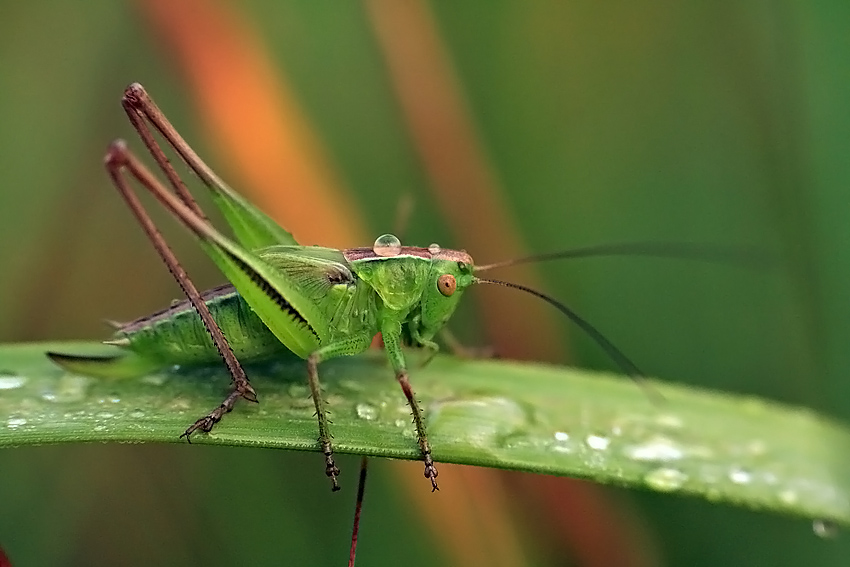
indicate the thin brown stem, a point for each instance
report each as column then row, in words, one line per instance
column 355, row 530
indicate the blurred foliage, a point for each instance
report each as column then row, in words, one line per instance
column 721, row 122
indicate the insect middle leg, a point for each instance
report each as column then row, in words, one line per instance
column 351, row 346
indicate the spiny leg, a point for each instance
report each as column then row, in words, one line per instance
column 322, row 416
column 352, row 345
column 392, row 344
column 120, row 160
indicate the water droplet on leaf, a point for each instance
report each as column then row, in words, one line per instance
column 597, row 442
column 665, row 479
column 10, row 381
column 740, row 476
column 15, row 422
column 367, row 412
column 825, row 528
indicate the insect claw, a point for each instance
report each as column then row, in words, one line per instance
column 249, row 395
column 431, row 472
column 188, row 433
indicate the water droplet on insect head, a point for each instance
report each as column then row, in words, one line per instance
column 387, row 246
column 434, row 248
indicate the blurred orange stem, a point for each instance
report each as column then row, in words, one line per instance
column 255, row 122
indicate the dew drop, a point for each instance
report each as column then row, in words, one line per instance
column 387, row 246
column 665, row 479
column 825, row 528
column 69, row 388
column 137, row 413
column 10, row 381
column 156, row 379
column 597, row 442
column 104, row 415
column 672, row 421
column 15, row 422
column 298, row 391
column 657, row 449
column 434, row 248
column 740, row 476
column 367, row 412
column 562, row 443
column 480, row 420
column 352, row 385
column 99, row 428
column 788, row 497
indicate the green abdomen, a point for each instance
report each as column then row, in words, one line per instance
column 177, row 335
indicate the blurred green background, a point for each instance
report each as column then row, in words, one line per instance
column 722, row 122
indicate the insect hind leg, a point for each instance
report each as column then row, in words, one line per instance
column 122, row 165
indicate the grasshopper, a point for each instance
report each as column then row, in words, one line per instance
column 319, row 303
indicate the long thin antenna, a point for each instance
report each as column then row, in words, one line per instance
column 361, row 489
column 736, row 256
column 612, row 351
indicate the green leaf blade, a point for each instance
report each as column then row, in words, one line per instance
column 527, row 417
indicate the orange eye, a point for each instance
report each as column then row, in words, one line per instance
column 447, row 284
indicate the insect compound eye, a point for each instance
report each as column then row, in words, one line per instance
column 447, row 284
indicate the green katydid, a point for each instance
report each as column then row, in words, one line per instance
column 318, row 303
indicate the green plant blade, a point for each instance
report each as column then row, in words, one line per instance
column 526, row 417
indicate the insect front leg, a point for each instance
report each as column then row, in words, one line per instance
column 392, row 343
column 461, row 350
column 432, row 347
